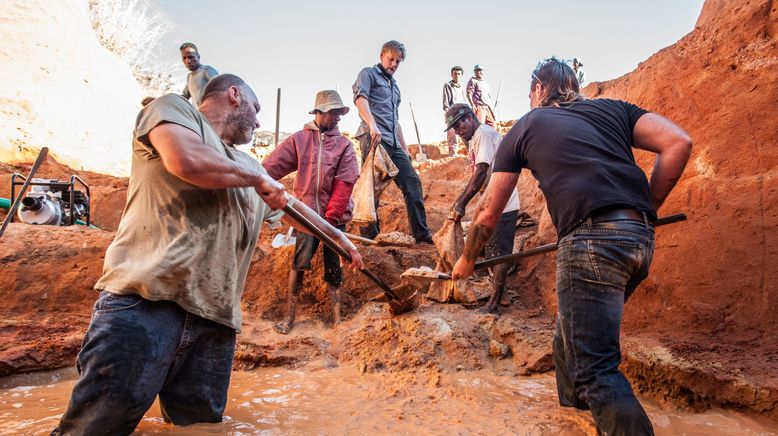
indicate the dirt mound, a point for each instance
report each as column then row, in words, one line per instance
column 47, row 277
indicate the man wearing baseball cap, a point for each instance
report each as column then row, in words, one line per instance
column 327, row 169
column 480, row 96
column 482, row 142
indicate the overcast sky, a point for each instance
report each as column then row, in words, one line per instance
column 303, row 46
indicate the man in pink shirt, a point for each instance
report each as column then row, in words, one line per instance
column 327, row 169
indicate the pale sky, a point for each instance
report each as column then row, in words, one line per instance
column 303, row 46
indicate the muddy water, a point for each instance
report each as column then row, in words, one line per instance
column 340, row 400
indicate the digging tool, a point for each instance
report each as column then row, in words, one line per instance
column 429, row 274
column 420, row 156
column 497, row 101
column 16, row 201
column 360, row 239
column 282, row 240
column 397, row 304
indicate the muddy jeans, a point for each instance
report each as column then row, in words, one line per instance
column 599, row 265
column 135, row 349
column 410, row 185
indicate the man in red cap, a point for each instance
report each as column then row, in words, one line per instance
column 327, row 169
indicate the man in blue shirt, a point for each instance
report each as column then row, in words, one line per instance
column 377, row 98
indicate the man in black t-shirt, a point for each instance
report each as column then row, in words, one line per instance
column 602, row 206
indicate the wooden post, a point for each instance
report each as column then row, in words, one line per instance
column 278, row 112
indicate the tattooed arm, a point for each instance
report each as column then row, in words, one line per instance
column 488, row 214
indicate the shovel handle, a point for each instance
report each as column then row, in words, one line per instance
column 329, row 242
column 553, row 246
column 356, row 238
column 16, row 201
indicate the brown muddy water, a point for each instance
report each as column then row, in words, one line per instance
column 343, row 401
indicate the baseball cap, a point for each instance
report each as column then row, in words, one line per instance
column 455, row 113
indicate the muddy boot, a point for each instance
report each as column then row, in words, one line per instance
column 295, row 281
column 498, row 289
column 335, row 298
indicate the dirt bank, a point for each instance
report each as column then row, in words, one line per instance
column 702, row 326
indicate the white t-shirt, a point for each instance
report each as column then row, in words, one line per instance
column 484, row 145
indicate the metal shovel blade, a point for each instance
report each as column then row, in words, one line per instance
column 282, row 240
column 421, row 157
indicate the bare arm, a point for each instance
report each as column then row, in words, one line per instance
column 473, row 186
column 363, row 107
column 185, row 156
column 322, row 224
column 402, row 139
column 489, row 210
column 673, row 147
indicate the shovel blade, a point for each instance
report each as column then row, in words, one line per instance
column 282, row 240
column 408, row 294
column 421, row 157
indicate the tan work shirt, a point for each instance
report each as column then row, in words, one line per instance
column 178, row 242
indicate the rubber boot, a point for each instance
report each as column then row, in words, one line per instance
column 295, row 281
column 335, row 298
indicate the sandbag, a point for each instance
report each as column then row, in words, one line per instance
column 377, row 171
column 450, row 242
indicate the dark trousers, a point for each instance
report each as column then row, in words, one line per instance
column 500, row 244
column 410, row 185
column 599, row 265
column 136, row 349
column 304, row 249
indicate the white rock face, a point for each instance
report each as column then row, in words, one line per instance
column 62, row 89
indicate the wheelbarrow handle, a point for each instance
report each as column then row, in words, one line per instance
column 329, row 242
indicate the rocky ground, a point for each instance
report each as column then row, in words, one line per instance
column 48, row 273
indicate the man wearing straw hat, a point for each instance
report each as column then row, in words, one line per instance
column 327, row 169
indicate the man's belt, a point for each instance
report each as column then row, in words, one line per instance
column 617, row 214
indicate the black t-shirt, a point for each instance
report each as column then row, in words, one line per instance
column 581, row 155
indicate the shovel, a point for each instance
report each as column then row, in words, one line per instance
column 18, row 200
column 420, row 156
column 429, row 274
column 282, row 240
column 397, row 304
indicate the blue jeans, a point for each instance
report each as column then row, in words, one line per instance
column 135, row 349
column 599, row 265
column 410, row 185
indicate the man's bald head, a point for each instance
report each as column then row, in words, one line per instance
column 229, row 101
column 223, row 82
